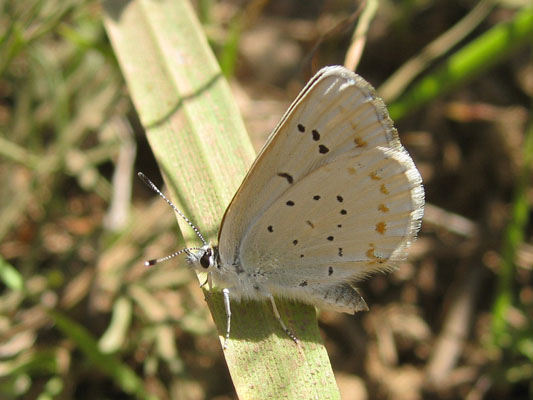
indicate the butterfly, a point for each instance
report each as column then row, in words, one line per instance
column 331, row 198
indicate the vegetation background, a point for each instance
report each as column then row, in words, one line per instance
column 80, row 317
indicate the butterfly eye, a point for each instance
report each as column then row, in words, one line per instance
column 205, row 260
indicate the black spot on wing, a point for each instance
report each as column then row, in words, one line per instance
column 303, row 284
column 344, row 212
column 340, row 199
column 287, row 176
column 270, row 229
column 310, row 224
column 301, row 128
column 340, row 252
column 330, row 238
column 322, row 149
column 290, row 203
column 330, row 271
column 316, row 197
column 295, row 242
column 316, row 135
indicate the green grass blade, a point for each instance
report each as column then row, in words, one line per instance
column 514, row 237
column 10, row 276
column 489, row 49
column 117, row 331
column 199, row 140
column 228, row 54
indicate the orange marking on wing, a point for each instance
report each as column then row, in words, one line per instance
column 351, row 170
column 383, row 208
column 360, row 142
column 381, row 227
column 373, row 258
column 374, row 176
column 370, row 252
column 383, row 189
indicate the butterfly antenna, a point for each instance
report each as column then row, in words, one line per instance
column 151, row 185
column 155, row 261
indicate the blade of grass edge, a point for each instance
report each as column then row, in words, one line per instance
column 514, row 236
column 199, row 140
column 471, row 60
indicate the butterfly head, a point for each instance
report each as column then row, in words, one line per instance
column 203, row 259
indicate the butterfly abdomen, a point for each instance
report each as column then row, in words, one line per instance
column 339, row 297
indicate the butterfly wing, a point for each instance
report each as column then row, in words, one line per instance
column 332, row 197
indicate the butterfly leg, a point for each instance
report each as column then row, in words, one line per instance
column 278, row 317
column 225, row 293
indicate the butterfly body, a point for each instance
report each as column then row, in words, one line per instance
column 332, row 197
column 258, row 283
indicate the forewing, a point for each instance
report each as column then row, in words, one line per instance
column 336, row 142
